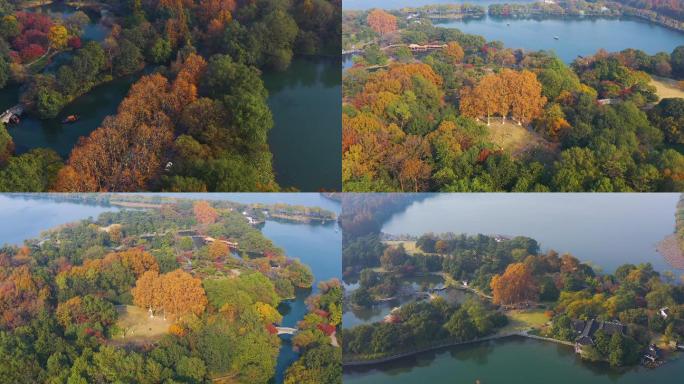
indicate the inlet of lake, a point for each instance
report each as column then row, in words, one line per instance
column 577, row 36
column 304, row 100
column 318, row 246
column 606, row 230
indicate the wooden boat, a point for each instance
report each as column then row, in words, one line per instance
column 70, row 119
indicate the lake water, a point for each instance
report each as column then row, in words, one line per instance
column 576, row 36
column 92, row 108
column 307, row 110
column 607, row 230
column 22, row 218
column 398, row 4
column 319, row 247
column 510, row 361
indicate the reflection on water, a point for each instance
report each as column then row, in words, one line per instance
column 513, row 360
column 306, row 104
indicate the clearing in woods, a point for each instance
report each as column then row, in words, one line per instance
column 137, row 327
column 515, row 139
column 666, row 88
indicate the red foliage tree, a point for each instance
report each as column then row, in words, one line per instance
column 31, row 52
column 74, row 42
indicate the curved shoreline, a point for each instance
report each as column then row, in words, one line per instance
column 382, row 360
column 671, row 251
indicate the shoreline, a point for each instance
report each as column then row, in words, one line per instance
column 671, row 251
column 386, row 359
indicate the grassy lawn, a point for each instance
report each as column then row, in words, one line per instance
column 666, row 88
column 138, row 327
column 513, row 138
column 520, row 320
column 409, row 246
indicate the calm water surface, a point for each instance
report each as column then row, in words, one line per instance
column 319, row 247
column 576, row 36
column 607, row 230
column 510, row 361
column 22, row 219
column 307, row 111
column 398, row 4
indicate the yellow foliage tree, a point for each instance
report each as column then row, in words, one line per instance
column 267, row 313
column 58, row 36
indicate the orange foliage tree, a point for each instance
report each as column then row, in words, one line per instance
column 22, row 296
column 175, row 293
column 454, row 52
column 509, row 92
column 204, row 212
column 381, row 21
column 516, row 285
column 129, row 150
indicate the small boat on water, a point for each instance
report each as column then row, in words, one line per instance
column 14, row 119
column 70, row 119
column 556, row 37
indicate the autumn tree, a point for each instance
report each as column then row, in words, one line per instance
column 454, row 52
column 218, row 249
column 381, row 21
column 58, row 36
column 509, row 92
column 516, row 285
column 483, row 100
column 204, row 212
column 129, row 151
column 175, row 293
column 527, row 101
column 23, row 296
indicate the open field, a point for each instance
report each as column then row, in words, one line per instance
column 520, row 320
column 666, row 88
column 513, row 138
column 409, row 246
column 137, row 326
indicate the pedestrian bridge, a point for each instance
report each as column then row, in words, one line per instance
column 287, row 330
